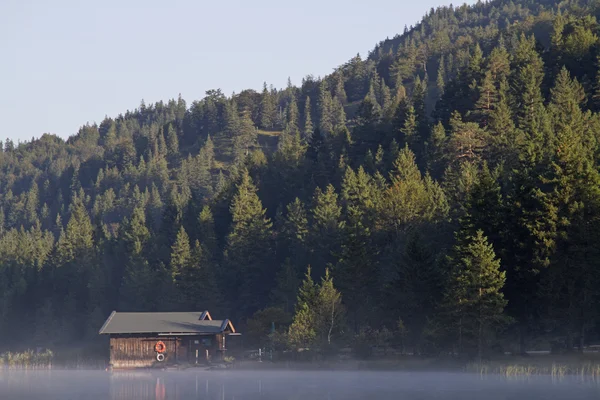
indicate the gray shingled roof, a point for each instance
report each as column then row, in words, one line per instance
column 163, row 322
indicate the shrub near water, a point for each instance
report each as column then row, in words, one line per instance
column 27, row 360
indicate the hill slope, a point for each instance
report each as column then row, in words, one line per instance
column 448, row 182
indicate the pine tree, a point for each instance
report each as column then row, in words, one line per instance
column 466, row 141
column 386, row 98
column 413, row 292
column 268, row 109
column 487, row 100
column 410, row 198
column 138, row 278
column 308, row 124
column 232, row 119
column 245, row 138
column 197, row 285
column 339, row 93
column 504, row 139
column 162, row 145
column 339, row 115
column 325, row 227
column 325, row 109
column 379, row 158
column 302, row 331
column 567, row 97
column 409, row 129
column 172, row 142
column 441, row 77
column 77, row 243
column 473, row 299
column 319, row 313
column 528, row 79
column 596, row 95
column 209, row 149
column 206, row 232
column 180, row 254
column 356, row 267
column 286, row 287
column 367, row 133
column 296, row 227
column 292, row 115
column 248, row 250
column 436, row 149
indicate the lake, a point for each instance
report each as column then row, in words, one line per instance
column 283, row 385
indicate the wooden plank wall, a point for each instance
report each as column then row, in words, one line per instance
column 138, row 352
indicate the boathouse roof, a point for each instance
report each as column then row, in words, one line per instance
column 165, row 323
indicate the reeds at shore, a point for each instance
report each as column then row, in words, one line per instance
column 585, row 369
column 27, row 360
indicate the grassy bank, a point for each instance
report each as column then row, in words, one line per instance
column 549, row 365
column 555, row 366
column 48, row 359
column 27, row 360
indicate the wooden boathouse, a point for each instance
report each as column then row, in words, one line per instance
column 148, row 339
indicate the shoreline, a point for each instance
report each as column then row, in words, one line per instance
column 511, row 366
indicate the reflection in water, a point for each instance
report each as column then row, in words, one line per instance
column 281, row 385
column 327, row 385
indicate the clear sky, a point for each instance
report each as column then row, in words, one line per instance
column 68, row 62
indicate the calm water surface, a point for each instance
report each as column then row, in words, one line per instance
column 284, row 385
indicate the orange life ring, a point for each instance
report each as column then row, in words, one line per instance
column 160, row 347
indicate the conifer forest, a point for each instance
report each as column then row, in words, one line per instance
column 441, row 193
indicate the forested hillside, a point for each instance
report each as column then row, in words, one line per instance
column 448, row 183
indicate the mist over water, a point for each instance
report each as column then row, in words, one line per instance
column 282, row 385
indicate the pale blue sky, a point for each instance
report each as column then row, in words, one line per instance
column 68, row 62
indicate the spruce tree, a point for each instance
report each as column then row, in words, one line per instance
column 248, row 249
column 197, row 284
column 180, row 254
column 138, row 278
column 287, row 283
column 441, row 77
column 302, row 331
column 325, row 109
column 206, row 232
column 527, row 83
column 308, row 124
column 232, row 119
column 172, row 143
column 325, row 227
column 409, row 130
column 473, row 299
column 268, row 109
column 292, row 115
column 339, row 115
column 436, row 149
column 339, row 92
column 414, row 287
column 245, row 138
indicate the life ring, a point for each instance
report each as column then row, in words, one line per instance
column 160, row 357
column 160, row 347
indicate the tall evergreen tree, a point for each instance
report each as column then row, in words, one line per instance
column 268, row 109
column 474, row 300
column 308, row 124
column 325, row 109
column 248, row 250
